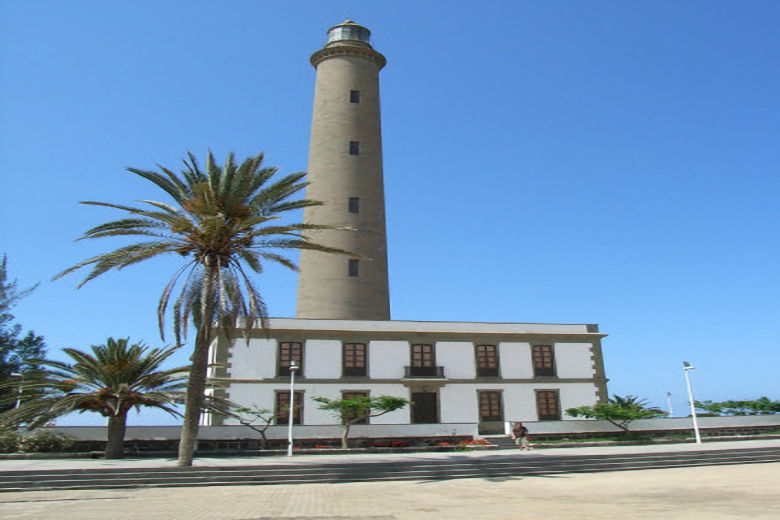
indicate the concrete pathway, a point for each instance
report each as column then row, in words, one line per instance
column 742, row 491
column 55, row 464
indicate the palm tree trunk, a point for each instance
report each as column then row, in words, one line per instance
column 116, row 436
column 196, row 385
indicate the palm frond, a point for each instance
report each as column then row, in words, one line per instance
column 122, row 257
column 162, row 305
column 156, row 215
column 169, row 182
column 279, row 259
column 109, row 379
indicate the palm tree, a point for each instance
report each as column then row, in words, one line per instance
column 224, row 223
column 112, row 380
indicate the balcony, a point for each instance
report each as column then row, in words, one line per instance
column 433, row 372
column 487, row 371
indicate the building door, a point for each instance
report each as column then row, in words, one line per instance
column 425, row 408
column 491, row 416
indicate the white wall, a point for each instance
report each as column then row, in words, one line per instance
column 457, row 358
column 255, row 361
column 574, row 360
column 322, row 358
column 519, row 403
column 251, row 395
column 515, row 359
column 387, row 359
column 458, row 403
column 576, row 394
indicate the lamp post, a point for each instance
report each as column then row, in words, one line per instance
column 686, row 367
column 291, row 411
column 669, row 404
column 18, row 388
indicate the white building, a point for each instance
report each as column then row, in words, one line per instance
column 464, row 377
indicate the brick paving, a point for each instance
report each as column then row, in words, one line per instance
column 718, row 492
column 712, row 492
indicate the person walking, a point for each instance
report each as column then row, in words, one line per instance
column 520, row 435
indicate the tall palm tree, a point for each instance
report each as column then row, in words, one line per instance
column 225, row 222
column 112, row 380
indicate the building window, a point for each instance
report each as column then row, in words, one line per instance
column 353, row 395
column 353, row 267
column 423, row 356
column 490, row 406
column 283, row 408
column 424, row 362
column 354, row 359
column 544, row 360
column 290, row 351
column 354, row 148
column 487, row 360
column 354, row 205
column 354, row 96
column 547, row 407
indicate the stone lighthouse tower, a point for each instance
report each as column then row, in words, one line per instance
column 345, row 174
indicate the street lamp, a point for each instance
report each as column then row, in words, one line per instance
column 290, row 411
column 669, row 404
column 18, row 388
column 686, row 367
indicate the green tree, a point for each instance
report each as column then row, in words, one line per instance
column 358, row 409
column 224, row 223
column 620, row 411
column 257, row 419
column 760, row 406
column 112, row 380
column 16, row 348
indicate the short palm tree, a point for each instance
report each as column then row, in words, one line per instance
column 224, row 223
column 112, row 380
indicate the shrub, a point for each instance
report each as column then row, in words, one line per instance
column 9, row 440
column 43, row 440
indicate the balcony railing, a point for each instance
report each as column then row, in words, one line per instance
column 436, row 372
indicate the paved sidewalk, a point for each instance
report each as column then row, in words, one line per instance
column 83, row 463
column 711, row 493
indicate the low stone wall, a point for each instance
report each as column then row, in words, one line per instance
column 313, row 432
column 232, row 439
column 708, row 427
column 237, row 439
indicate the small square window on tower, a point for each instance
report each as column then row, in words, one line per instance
column 354, row 148
column 353, row 268
column 354, row 96
column 354, row 205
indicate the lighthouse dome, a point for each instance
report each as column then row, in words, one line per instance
column 349, row 31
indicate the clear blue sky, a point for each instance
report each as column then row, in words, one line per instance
column 566, row 162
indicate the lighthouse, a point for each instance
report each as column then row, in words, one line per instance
column 463, row 379
column 345, row 175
